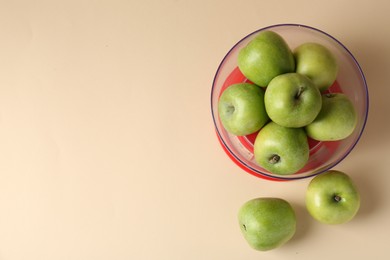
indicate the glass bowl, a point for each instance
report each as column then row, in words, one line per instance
column 323, row 155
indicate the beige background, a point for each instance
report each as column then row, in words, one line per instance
column 107, row 145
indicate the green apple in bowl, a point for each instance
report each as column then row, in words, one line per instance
column 316, row 62
column 292, row 100
column 332, row 198
column 281, row 150
column 241, row 109
column 336, row 120
column 264, row 57
column 267, row 223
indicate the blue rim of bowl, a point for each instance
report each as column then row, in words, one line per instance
column 293, row 176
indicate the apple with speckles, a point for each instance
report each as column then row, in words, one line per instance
column 266, row 56
column 336, row 121
column 241, row 109
column 281, row 150
column 267, row 223
column 292, row 100
column 317, row 62
column 332, row 198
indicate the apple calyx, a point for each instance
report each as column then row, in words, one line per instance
column 337, row 198
column 274, row 159
column 230, row 109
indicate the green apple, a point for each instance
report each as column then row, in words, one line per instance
column 332, row 198
column 241, row 109
column 292, row 100
column 267, row 223
column 336, row 120
column 281, row 150
column 316, row 62
column 264, row 57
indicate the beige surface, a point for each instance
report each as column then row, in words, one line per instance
column 107, row 146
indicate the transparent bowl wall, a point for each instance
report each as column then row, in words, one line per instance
column 323, row 155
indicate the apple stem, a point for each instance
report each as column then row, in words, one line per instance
column 330, row 95
column 300, row 91
column 274, row 159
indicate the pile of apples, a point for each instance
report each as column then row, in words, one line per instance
column 286, row 100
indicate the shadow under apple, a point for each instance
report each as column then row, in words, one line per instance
column 304, row 223
column 371, row 198
column 375, row 138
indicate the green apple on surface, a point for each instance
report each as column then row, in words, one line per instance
column 316, row 62
column 264, row 57
column 267, row 223
column 336, row 120
column 332, row 198
column 292, row 100
column 241, row 109
column 281, row 150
